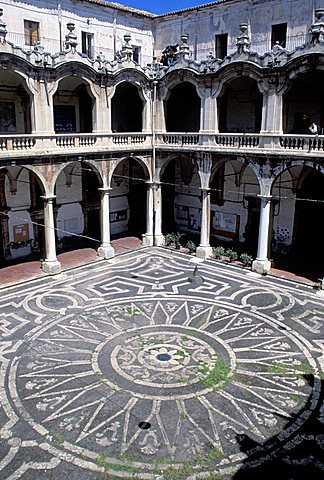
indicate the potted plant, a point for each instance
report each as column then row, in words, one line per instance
column 218, row 252
column 177, row 237
column 169, row 239
column 246, row 259
column 231, row 254
column 191, row 246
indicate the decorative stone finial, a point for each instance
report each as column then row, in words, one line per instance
column 71, row 40
column 184, row 47
column 3, row 30
column 126, row 53
column 243, row 41
column 317, row 29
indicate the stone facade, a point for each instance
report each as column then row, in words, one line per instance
column 116, row 120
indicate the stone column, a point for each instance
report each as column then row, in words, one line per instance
column 272, row 113
column 209, row 117
column 261, row 264
column 204, row 250
column 50, row 265
column 102, row 120
column 42, row 118
column 157, row 197
column 105, row 250
column 148, row 237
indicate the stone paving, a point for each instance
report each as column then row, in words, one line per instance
column 152, row 366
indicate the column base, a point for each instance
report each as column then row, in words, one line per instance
column 106, row 251
column 147, row 240
column 158, row 240
column 204, row 252
column 261, row 266
column 52, row 267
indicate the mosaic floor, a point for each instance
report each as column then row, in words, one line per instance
column 150, row 366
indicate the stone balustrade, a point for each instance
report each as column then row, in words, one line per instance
column 14, row 145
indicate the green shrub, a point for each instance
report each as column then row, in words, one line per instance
column 191, row 246
column 246, row 259
column 218, row 251
column 169, row 239
column 231, row 254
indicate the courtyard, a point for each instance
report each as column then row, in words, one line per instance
column 150, row 365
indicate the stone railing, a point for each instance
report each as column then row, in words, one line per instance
column 39, row 144
column 247, row 141
column 11, row 145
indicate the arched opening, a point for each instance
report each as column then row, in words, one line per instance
column 128, row 199
column 304, row 103
column 78, row 207
column 183, row 109
column 73, row 106
column 21, row 216
column 240, row 106
column 297, row 240
column 126, row 109
column 15, row 104
column 235, row 207
column 181, row 198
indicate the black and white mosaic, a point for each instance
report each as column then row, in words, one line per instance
column 127, row 369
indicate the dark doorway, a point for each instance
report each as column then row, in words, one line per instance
column 183, row 109
column 93, row 227
column 308, row 238
column 168, row 196
column 240, row 106
column 251, row 232
column 137, row 199
column 126, row 109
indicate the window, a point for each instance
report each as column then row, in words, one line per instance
column 279, row 34
column 87, row 44
column 136, row 54
column 221, row 45
column 31, row 32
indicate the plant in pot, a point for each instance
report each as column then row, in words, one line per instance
column 218, row 252
column 191, row 246
column 177, row 237
column 246, row 259
column 231, row 254
column 169, row 239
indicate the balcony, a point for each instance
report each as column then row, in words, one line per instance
column 15, row 146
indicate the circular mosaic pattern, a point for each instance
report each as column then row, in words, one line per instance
column 172, row 362
column 171, row 379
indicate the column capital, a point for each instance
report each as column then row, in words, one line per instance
column 104, row 190
column 48, row 198
column 264, row 197
column 205, row 189
column 153, row 185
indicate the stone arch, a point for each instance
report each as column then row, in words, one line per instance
column 15, row 98
column 182, row 108
column 22, row 222
column 235, row 205
column 128, row 196
column 127, row 106
column 303, row 101
column 298, row 193
column 74, row 104
column 240, row 100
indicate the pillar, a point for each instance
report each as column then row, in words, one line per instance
column 157, row 209
column 209, row 116
column 261, row 264
column 148, row 237
column 272, row 113
column 102, row 120
column 105, row 250
column 42, row 111
column 50, row 265
column 204, row 249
